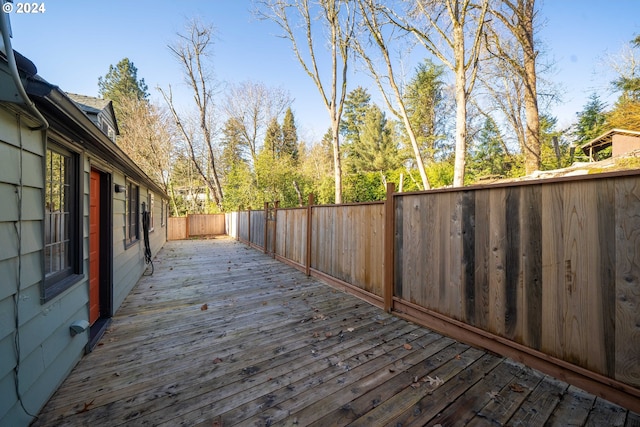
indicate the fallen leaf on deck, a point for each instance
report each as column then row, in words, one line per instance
column 217, row 360
column 350, row 329
column 458, row 357
column 86, row 407
column 515, row 387
column 328, row 334
column 407, row 346
column 204, row 307
column 433, row 381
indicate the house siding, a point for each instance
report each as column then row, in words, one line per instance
column 48, row 352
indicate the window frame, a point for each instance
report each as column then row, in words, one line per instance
column 150, row 206
column 163, row 222
column 131, row 219
column 54, row 283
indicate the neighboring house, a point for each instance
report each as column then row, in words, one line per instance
column 621, row 141
column 71, row 233
column 100, row 111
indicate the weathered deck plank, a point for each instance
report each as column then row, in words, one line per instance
column 224, row 335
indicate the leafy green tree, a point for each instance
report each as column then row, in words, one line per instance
column 364, row 187
column 121, row 83
column 591, row 120
column 240, row 189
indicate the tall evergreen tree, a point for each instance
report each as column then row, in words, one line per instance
column 273, row 138
column 376, row 150
column 425, row 99
column 289, row 135
column 489, row 156
column 355, row 109
column 591, row 120
column 121, row 83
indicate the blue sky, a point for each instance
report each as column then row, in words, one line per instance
column 74, row 42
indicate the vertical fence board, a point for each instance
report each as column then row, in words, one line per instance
column 531, row 297
column 497, row 261
column 482, row 253
column 553, row 270
column 627, row 331
column 605, row 191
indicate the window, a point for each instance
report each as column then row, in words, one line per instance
column 61, row 221
column 132, row 214
column 150, row 202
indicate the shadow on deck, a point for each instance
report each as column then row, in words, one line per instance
column 224, row 335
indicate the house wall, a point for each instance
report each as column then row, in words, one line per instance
column 623, row 144
column 127, row 265
column 47, row 351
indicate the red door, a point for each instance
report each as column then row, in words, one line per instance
column 94, row 247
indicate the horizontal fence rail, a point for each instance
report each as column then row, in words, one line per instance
column 546, row 271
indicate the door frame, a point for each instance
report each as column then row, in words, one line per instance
column 106, row 258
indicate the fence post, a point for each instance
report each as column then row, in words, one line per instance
column 309, row 218
column 266, row 225
column 238, row 223
column 187, row 227
column 389, row 245
column 249, row 226
column 276, row 205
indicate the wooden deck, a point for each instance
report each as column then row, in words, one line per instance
column 223, row 335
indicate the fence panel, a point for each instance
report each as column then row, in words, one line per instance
column 177, row 228
column 257, row 228
column 347, row 243
column 553, row 266
column 206, row 225
column 291, row 234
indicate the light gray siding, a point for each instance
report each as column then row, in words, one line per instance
column 48, row 352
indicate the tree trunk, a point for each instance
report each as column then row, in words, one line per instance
column 461, row 107
column 337, row 163
column 532, row 133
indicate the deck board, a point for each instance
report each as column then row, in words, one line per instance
column 224, row 335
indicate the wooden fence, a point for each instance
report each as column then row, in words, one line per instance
column 180, row 228
column 547, row 272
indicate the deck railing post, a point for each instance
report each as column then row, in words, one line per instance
column 309, row 221
column 249, row 226
column 389, row 245
column 238, row 223
column 266, row 225
column 276, row 205
column 187, row 227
